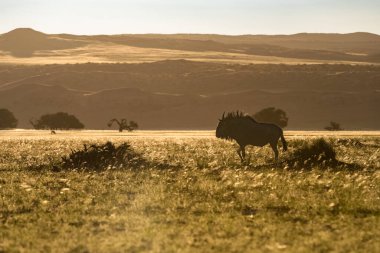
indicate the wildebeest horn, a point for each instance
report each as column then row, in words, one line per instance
column 223, row 115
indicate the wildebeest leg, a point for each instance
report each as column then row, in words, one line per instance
column 275, row 150
column 243, row 152
column 239, row 151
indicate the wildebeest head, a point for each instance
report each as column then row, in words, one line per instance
column 222, row 130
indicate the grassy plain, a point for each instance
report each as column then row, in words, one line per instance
column 204, row 201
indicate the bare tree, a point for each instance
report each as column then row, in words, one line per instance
column 334, row 126
column 123, row 124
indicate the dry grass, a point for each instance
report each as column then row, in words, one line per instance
column 205, row 202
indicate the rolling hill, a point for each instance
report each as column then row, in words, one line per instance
column 23, row 42
column 192, row 95
column 27, row 46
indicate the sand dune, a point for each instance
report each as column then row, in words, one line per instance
column 26, row 46
column 24, row 42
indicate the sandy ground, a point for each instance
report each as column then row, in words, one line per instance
column 113, row 53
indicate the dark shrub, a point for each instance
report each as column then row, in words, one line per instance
column 59, row 120
column 7, row 119
column 272, row 115
column 102, row 157
column 317, row 151
column 334, row 126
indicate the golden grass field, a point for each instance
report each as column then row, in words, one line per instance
column 205, row 200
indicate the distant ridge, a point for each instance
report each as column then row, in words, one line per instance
column 23, row 42
column 22, row 33
column 31, row 34
column 352, row 48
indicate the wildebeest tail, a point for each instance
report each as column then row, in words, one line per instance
column 284, row 144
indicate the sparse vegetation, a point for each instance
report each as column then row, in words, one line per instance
column 59, row 120
column 334, row 126
column 123, row 124
column 7, row 119
column 206, row 202
column 272, row 115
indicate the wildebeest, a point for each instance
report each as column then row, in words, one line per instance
column 247, row 131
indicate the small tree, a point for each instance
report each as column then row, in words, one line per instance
column 272, row 115
column 59, row 120
column 334, row 126
column 124, row 125
column 7, row 119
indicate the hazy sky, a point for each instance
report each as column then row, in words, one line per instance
column 191, row 16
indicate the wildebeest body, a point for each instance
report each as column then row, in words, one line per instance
column 246, row 131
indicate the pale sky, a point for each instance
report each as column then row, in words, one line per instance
column 191, row 16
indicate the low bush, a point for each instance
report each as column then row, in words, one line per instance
column 314, row 152
column 102, row 157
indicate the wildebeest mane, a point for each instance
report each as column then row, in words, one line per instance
column 237, row 115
